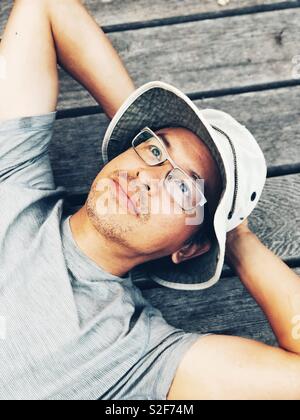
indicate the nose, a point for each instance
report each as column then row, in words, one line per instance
column 152, row 177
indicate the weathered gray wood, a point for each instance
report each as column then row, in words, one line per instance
column 125, row 11
column 273, row 117
column 206, row 55
column 226, row 308
column 120, row 11
column 276, row 220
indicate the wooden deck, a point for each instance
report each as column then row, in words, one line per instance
column 237, row 58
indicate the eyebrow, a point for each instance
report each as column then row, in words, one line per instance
column 170, row 147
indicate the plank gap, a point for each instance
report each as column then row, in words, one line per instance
column 95, row 110
column 283, row 170
column 175, row 20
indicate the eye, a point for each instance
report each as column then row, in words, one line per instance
column 184, row 188
column 156, row 152
column 181, row 186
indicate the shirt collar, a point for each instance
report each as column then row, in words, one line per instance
column 79, row 263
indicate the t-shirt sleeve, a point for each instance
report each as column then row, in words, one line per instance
column 24, row 156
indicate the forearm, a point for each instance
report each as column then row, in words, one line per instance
column 88, row 55
column 272, row 283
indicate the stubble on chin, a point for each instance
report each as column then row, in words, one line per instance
column 108, row 225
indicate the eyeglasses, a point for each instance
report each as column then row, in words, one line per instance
column 182, row 187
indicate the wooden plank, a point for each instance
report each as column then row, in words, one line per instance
column 120, row 11
column 272, row 116
column 204, row 56
column 226, row 308
column 115, row 12
column 276, row 220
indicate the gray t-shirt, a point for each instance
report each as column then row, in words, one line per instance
column 67, row 328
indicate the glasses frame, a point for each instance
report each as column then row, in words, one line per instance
column 172, row 162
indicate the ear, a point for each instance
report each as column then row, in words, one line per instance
column 190, row 251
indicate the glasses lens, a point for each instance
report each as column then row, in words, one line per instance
column 149, row 148
column 185, row 191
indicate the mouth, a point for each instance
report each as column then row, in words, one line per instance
column 124, row 199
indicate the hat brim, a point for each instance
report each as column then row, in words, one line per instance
column 159, row 105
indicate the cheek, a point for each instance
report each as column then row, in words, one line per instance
column 175, row 227
column 168, row 230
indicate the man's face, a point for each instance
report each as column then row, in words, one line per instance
column 151, row 223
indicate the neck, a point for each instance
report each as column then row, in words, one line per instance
column 110, row 257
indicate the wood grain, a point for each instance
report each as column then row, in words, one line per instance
column 226, row 309
column 204, row 56
column 114, row 12
column 120, row 11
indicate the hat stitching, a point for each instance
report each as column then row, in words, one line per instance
column 236, row 178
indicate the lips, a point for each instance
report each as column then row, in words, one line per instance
column 124, row 198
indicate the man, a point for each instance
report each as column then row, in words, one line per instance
column 73, row 326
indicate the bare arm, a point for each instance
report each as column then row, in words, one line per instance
column 89, row 56
column 40, row 33
column 274, row 286
column 232, row 368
